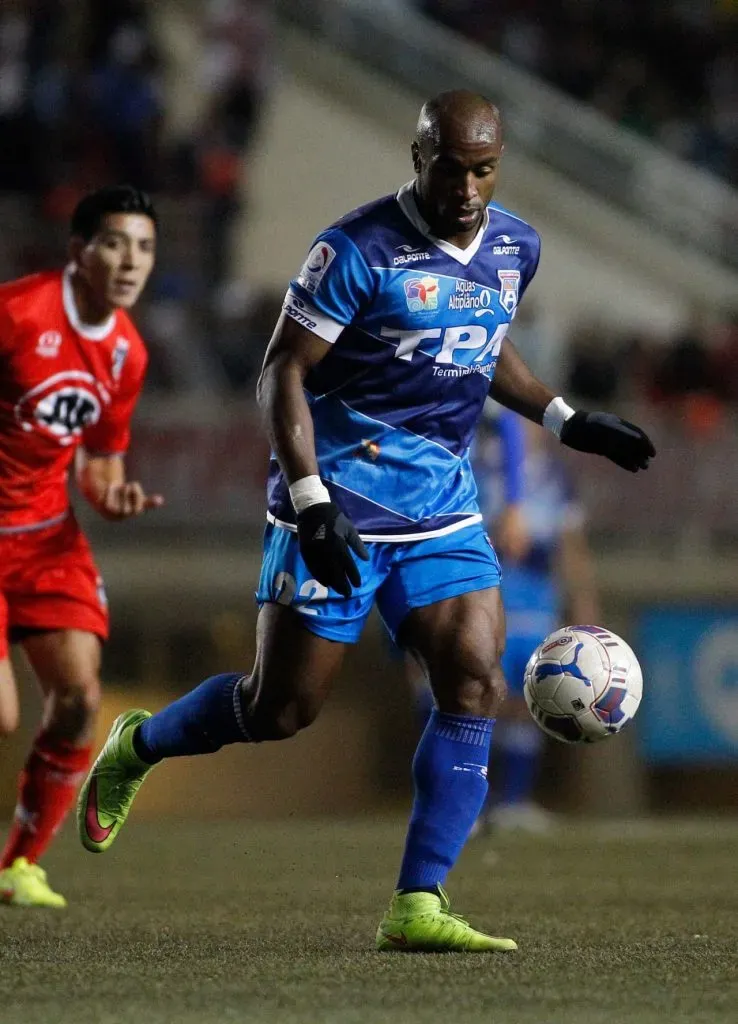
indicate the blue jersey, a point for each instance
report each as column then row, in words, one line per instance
column 415, row 326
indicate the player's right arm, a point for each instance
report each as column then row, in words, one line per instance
column 325, row 295
column 292, row 352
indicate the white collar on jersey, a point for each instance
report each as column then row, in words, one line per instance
column 406, row 198
column 93, row 332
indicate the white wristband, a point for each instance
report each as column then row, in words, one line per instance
column 556, row 414
column 308, row 491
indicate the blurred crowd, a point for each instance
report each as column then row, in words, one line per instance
column 666, row 70
column 83, row 101
column 688, row 379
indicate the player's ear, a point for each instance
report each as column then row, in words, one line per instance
column 75, row 248
column 415, row 151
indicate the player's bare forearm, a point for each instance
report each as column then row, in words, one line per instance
column 292, row 352
column 287, row 419
column 102, row 481
column 515, row 387
column 95, row 473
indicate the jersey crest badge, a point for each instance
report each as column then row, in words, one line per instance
column 509, row 285
column 49, row 344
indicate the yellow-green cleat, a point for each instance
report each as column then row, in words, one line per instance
column 25, row 885
column 421, row 922
column 106, row 797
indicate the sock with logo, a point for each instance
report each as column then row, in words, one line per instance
column 47, row 787
column 519, row 746
column 450, row 776
column 204, row 720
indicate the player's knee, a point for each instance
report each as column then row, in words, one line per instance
column 75, row 707
column 482, row 695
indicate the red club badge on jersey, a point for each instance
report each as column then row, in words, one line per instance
column 62, row 406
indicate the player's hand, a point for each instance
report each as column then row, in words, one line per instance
column 125, row 500
column 327, row 538
column 603, row 433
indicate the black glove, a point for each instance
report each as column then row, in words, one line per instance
column 603, row 433
column 325, row 536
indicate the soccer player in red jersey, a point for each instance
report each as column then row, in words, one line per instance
column 72, row 365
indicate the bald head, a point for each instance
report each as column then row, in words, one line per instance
column 458, row 116
column 456, row 153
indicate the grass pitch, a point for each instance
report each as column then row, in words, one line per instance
column 219, row 922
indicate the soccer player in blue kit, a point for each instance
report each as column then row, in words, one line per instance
column 392, row 335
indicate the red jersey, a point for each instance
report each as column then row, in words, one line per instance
column 62, row 384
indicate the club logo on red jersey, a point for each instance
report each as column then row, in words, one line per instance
column 49, row 344
column 62, row 406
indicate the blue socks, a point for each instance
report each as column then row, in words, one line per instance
column 201, row 722
column 450, row 775
column 519, row 746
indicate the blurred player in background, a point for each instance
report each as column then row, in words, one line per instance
column 372, row 385
column 548, row 572
column 71, row 369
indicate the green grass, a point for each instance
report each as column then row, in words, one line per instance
column 218, row 922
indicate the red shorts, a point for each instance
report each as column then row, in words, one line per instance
column 48, row 580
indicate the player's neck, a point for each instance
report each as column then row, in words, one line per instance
column 90, row 309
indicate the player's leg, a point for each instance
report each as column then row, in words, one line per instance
column 460, row 641
column 458, row 635
column 301, row 633
column 9, row 709
column 57, row 610
column 292, row 675
column 67, row 666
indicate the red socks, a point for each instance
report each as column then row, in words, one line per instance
column 46, row 790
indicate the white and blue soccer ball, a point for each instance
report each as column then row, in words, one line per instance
column 583, row 684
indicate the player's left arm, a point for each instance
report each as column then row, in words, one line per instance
column 100, row 464
column 601, row 433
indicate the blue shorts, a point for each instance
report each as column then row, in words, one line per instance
column 399, row 576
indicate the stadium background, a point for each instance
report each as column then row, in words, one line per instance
column 254, row 124
column 250, row 884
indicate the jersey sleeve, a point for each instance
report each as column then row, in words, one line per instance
column 332, row 287
column 531, row 266
column 111, row 434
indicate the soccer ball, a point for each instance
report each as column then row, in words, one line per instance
column 583, row 684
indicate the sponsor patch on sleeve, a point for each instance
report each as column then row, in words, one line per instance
column 311, row 273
